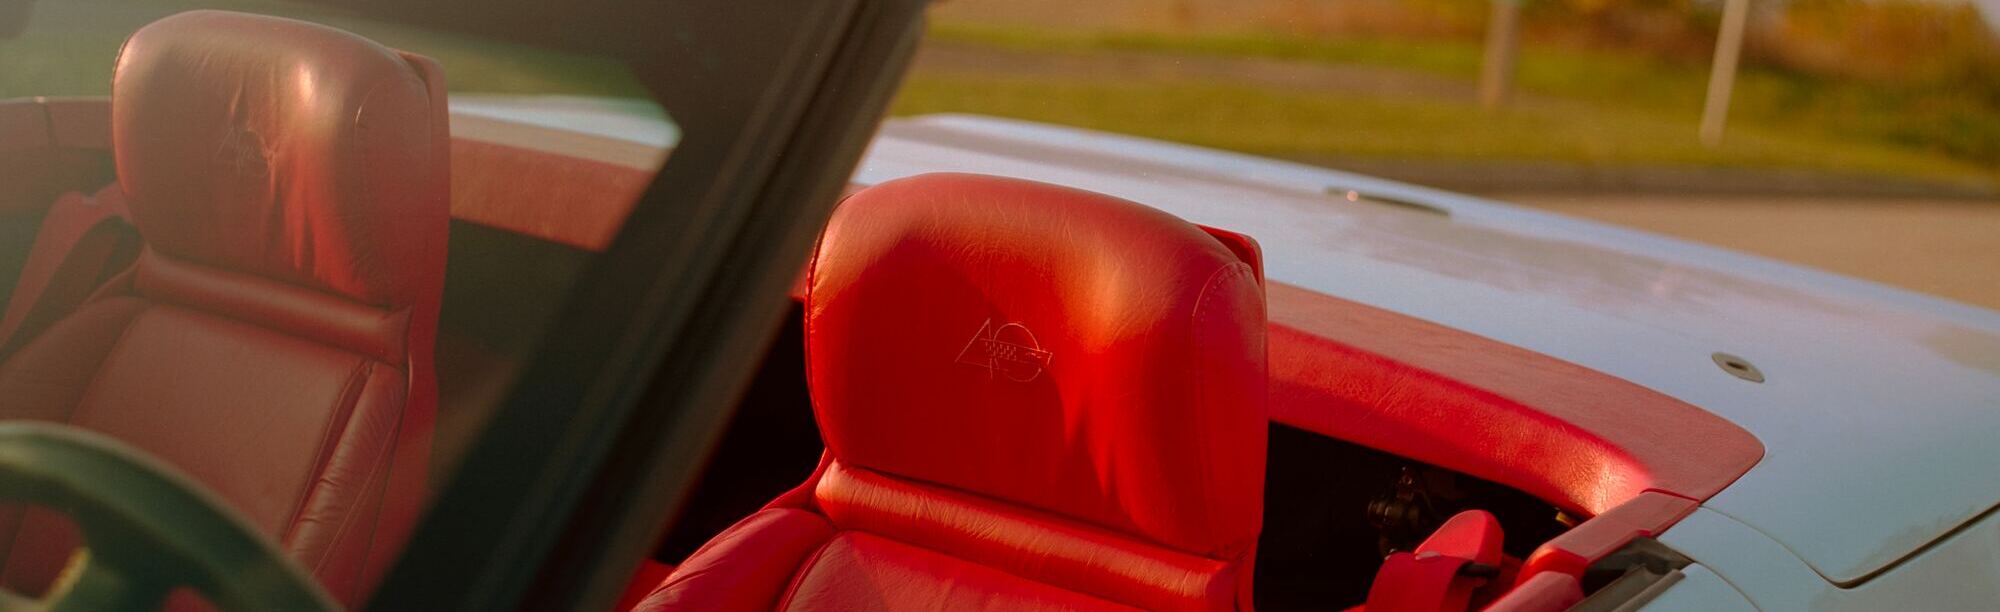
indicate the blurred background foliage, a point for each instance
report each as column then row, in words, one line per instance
column 69, row 46
column 1901, row 89
column 1892, row 87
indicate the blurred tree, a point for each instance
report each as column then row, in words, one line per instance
column 1722, row 71
column 1503, row 44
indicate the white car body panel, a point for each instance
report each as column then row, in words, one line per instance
column 1879, row 414
column 1960, row 572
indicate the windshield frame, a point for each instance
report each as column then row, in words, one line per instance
column 604, row 432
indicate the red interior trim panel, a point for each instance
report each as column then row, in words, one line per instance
column 1576, row 437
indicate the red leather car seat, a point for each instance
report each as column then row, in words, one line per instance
column 274, row 338
column 1032, row 397
column 82, row 242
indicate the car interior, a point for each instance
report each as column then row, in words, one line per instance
column 271, row 260
column 289, row 367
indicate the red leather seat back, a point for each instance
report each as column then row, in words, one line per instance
column 1032, row 397
column 1046, row 347
column 275, row 337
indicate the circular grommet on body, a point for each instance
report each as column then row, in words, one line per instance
column 1738, row 367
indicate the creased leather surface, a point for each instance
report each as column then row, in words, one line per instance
column 275, row 339
column 305, row 146
column 1033, row 398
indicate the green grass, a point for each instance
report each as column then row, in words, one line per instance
column 1595, row 107
column 1309, row 126
column 69, row 47
column 1446, row 57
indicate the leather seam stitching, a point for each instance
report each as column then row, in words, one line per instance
column 806, row 337
column 350, row 398
column 1200, row 318
column 376, row 475
column 340, row 533
column 387, row 473
column 799, row 575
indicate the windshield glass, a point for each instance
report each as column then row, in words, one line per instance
column 301, row 261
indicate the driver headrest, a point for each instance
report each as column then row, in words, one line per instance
column 1061, row 350
column 286, row 150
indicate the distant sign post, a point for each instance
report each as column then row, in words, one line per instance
column 1503, row 42
column 1722, row 76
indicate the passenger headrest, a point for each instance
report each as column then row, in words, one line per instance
column 1057, row 349
column 284, row 149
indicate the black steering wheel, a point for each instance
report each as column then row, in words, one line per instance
column 147, row 529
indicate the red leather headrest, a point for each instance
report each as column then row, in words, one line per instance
column 283, row 149
column 1057, row 349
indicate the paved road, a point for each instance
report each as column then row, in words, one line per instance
column 1949, row 248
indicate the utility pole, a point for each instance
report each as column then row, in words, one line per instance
column 1503, row 42
column 1722, row 75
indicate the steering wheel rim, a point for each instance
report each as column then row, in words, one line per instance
column 147, row 528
